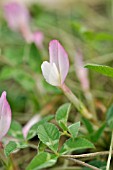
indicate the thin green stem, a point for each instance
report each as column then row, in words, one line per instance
column 66, row 133
column 76, row 102
column 3, row 157
column 110, row 153
column 90, row 102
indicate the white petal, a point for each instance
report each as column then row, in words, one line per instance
column 50, row 73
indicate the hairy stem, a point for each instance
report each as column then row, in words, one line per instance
column 83, row 164
column 103, row 153
column 32, row 146
column 76, row 102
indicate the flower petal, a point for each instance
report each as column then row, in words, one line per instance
column 29, row 124
column 59, row 56
column 5, row 115
column 50, row 73
column 53, row 52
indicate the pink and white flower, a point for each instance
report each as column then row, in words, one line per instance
column 5, row 115
column 56, row 70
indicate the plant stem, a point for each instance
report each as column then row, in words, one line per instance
column 76, row 102
column 110, row 153
column 66, row 133
column 32, row 146
column 67, row 168
column 90, row 102
column 3, row 157
column 83, row 164
column 103, row 153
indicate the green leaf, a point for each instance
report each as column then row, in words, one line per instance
column 42, row 160
column 49, row 134
column 97, row 37
column 33, row 130
column 103, row 36
column 75, row 144
column 94, row 137
column 88, row 125
column 48, row 118
column 12, row 146
column 41, row 147
column 62, row 115
column 105, row 70
column 88, row 36
column 109, row 117
column 73, row 129
column 15, row 130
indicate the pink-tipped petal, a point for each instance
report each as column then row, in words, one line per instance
column 53, row 52
column 59, row 56
column 50, row 73
column 63, row 63
column 38, row 38
column 31, row 122
column 5, row 115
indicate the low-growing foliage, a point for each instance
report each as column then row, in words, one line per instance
column 58, row 112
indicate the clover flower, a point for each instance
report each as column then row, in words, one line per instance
column 56, row 70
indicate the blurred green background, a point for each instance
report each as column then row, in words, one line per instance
column 77, row 24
